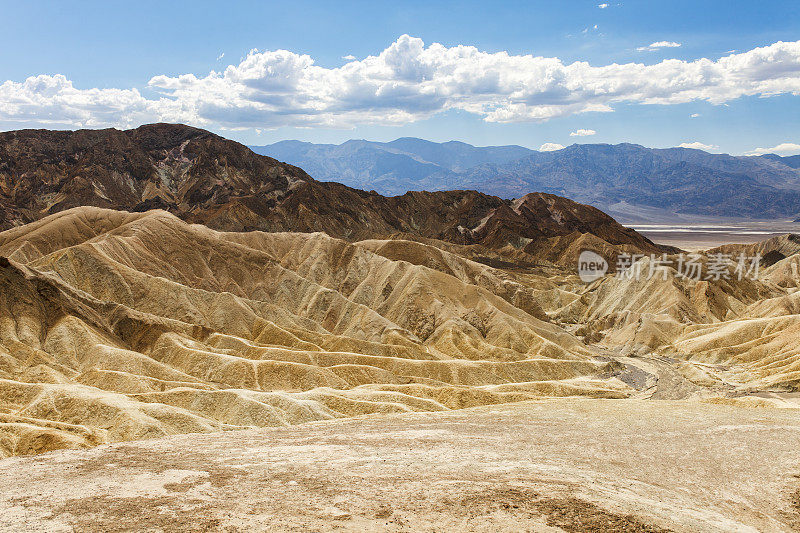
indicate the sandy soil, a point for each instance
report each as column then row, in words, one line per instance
column 551, row 465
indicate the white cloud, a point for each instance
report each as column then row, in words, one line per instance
column 406, row 82
column 781, row 149
column 219, row 57
column 694, row 115
column 602, row 6
column 658, row 45
column 550, row 147
column 699, row 146
column 582, row 133
column 349, row 57
column 54, row 101
column 665, row 44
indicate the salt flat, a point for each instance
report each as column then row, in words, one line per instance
column 702, row 235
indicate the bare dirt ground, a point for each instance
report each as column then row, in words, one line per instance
column 550, row 465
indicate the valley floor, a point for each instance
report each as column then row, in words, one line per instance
column 702, row 236
column 548, row 465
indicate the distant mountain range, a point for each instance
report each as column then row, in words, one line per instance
column 206, row 179
column 396, row 167
column 679, row 180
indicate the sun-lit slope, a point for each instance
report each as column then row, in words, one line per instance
column 310, row 276
column 649, row 310
column 118, row 326
column 64, row 229
column 496, row 281
column 749, row 328
column 785, row 272
column 763, row 341
column 773, row 249
column 765, row 351
column 565, row 249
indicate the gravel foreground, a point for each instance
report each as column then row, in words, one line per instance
column 551, row 465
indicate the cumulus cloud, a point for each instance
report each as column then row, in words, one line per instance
column 349, row 57
column 550, row 147
column 582, row 133
column 658, row 45
column 781, row 149
column 406, row 82
column 699, row 146
column 54, row 101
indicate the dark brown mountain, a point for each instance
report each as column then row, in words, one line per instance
column 204, row 178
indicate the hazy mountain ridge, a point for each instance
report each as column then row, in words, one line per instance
column 390, row 168
column 790, row 160
column 683, row 180
column 204, row 178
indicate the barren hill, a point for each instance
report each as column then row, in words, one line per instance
column 203, row 178
column 118, row 325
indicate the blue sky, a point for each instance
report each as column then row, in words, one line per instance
column 125, row 64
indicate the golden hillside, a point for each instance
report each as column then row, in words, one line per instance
column 119, row 326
